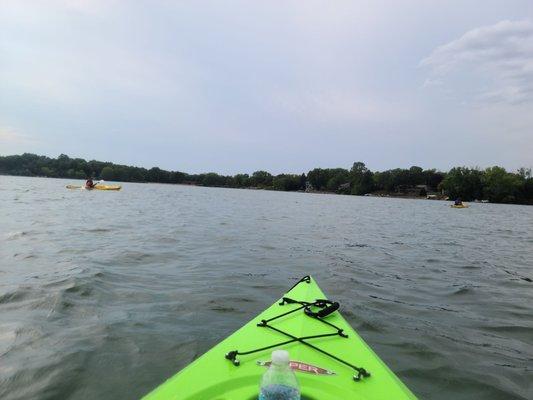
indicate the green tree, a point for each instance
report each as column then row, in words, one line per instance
column 384, row 181
column 416, row 176
column 213, row 179
column 303, row 182
column 500, row 186
column 433, row 178
column 317, row 178
column 155, row 174
column 327, row 179
column 177, row 177
column 47, row 171
column 107, row 173
column 337, row 178
column 286, row 182
column 362, row 181
column 464, row 183
column 241, row 180
column 261, row 179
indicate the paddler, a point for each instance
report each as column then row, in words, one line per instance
column 89, row 184
column 458, row 202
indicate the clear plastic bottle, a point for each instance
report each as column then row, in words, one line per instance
column 279, row 381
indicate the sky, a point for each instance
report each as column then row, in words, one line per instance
column 284, row 86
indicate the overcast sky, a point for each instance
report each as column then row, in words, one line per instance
column 286, row 86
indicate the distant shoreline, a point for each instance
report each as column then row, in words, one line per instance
column 371, row 195
column 494, row 184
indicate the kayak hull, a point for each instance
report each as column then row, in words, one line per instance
column 321, row 377
column 97, row 187
column 461, row 206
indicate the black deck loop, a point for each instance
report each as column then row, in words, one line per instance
column 306, row 279
column 287, row 300
column 326, row 307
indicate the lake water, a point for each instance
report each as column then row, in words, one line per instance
column 104, row 295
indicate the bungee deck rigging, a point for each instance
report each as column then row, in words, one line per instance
column 326, row 307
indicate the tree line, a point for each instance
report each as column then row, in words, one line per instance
column 494, row 184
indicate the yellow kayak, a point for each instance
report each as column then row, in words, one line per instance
column 459, row 206
column 96, row 187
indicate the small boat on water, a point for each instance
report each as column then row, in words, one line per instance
column 96, row 187
column 459, row 205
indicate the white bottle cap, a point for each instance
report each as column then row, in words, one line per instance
column 280, row 357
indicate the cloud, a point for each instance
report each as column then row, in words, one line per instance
column 499, row 58
column 12, row 136
column 333, row 105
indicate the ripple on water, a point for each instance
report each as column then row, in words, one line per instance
column 463, row 291
column 18, row 235
column 97, row 230
column 13, row 297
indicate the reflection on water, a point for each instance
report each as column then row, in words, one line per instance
column 104, row 295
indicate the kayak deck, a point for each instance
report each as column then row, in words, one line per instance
column 321, row 376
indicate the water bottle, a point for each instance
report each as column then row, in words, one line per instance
column 279, row 381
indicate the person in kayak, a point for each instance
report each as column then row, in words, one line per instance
column 458, row 202
column 89, row 184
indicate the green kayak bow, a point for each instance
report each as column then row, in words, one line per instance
column 332, row 362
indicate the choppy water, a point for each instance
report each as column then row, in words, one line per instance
column 105, row 294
